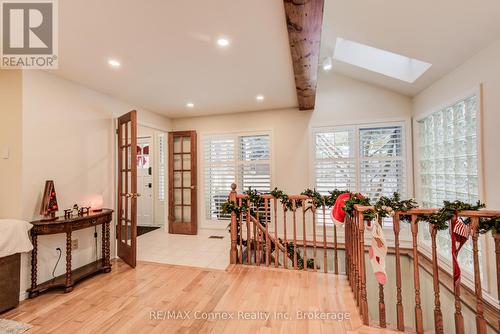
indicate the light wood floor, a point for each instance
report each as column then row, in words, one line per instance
column 123, row 302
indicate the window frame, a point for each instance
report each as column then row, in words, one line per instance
column 222, row 224
column 445, row 262
column 407, row 147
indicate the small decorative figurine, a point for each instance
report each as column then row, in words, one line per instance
column 49, row 202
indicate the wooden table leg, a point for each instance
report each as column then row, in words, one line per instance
column 69, row 283
column 108, row 247
column 34, row 240
column 104, row 245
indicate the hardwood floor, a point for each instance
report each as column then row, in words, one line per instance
column 138, row 301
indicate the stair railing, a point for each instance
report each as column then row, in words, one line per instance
column 262, row 236
column 355, row 261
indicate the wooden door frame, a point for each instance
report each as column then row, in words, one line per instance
column 192, row 228
column 128, row 253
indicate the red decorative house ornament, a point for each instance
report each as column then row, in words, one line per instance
column 49, row 201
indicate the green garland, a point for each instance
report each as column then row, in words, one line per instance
column 384, row 207
column 441, row 219
column 357, row 198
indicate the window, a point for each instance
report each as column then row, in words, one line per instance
column 243, row 159
column 448, row 154
column 366, row 159
column 448, row 162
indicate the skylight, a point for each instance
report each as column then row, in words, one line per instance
column 380, row 61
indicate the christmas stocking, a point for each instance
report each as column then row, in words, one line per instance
column 459, row 236
column 377, row 253
column 338, row 214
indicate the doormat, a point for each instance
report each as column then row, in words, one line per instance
column 145, row 229
column 13, row 327
column 216, row 237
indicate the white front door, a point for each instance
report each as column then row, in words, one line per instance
column 145, row 181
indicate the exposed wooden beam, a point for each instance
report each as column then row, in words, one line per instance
column 304, row 20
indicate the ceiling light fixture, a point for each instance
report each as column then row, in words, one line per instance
column 190, row 105
column 259, row 97
column 327, row 64
column 223, row 42
column 114, row 63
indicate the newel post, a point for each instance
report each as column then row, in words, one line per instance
column 233, row 253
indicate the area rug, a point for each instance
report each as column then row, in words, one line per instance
column 13, row 327
column 145, row 229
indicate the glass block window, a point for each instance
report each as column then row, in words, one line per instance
column 448, row 164
column 448, row 154
column 245, row 160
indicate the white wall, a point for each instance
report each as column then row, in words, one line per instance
column 68, row 136
column 340, row 100
column 11, row 141
column 482, row 68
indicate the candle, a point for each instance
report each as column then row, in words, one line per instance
column 96, row 203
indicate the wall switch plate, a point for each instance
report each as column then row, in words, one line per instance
column 74, row 244
column 5, row 153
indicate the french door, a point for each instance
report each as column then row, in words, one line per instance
column 127, row 188
column 182, row 215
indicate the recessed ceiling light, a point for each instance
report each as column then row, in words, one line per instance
column 223, row 42
column 114, row 63
column 259, row 97
column 190, row 105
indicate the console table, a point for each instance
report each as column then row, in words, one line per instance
column 67, row 226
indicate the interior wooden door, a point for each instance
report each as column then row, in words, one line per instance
column 182, row 212
column 127, row 188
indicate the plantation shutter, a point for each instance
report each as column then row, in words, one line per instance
column 335, row 164
column 382, row 161
column 254, row 163
column 220, row 172
column 244, row 160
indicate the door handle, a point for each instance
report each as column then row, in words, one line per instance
column 193, row 187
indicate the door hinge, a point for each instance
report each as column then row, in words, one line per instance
column 116, row 131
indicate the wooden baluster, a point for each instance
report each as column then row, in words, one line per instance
column 249, row 235
column 325, row 252
column 294, row 210
column 304, row 243
column 277, row 255
column 354, row 256
column 268, row 245
column 285, row 255
column 438, row 316
column 497, row 251
column 335, row 253
column 347, row 249
column 355, row 253
column 259, row 238
column 362, row 269
column 381, row 307
column 459, row 318
column 240, row 202
column 233, row 254
column 480, row 321
column 313, row 207
column 416, row 276
column 254, row 241
column 399, row 295
column 381, row 299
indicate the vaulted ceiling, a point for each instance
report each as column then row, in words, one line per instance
column 169, row 53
